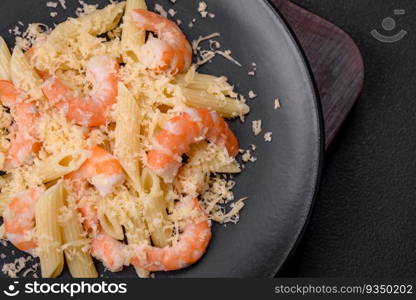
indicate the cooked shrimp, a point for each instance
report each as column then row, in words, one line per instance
column 26, row 116
column 19, row 220
column 102, row 72
column 101, row 169
column 192, row 243
column 112, row 253
column 180, row 132
column 171, row 51
column 109, row 251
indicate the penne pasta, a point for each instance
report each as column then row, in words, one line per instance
column 225, row 106
column 154, row 209
column 96, row 23
column 78, row 259
column 48, row 231
column 135, row 228
column 61, row 164
column 109, row 217
column 24, row 75
column 132, row 37
column 2, row 154
column 4, row 201
column 127, row 144
column 205, row 82
column 5, row 58
column 2, row 234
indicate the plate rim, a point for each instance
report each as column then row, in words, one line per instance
column 300, row 56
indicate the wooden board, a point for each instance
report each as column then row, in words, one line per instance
column 335, row 60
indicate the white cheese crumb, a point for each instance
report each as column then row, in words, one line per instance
column 268, row 136
column 52, row 4
column 211, row 15
column 252, row 72
column 172, row 12
column 202, row 9
column 247, row 157
column 15, row 31
column 85, row 8
column 256, row 127
column 253, row 147
column 276, row 104
column 159, row 8
column 62, row 2
column 53, row 14
column 206, row 55
column 14, row 268
column 252, row 95
column 173, row 1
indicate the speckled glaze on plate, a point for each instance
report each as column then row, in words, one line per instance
column 282, row 183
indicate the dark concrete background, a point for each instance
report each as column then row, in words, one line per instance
column 364, row 219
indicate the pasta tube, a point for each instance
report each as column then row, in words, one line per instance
column 4, row 200
column 80, row 263
column 60, row 165
column 24, row 76
column 127, row 143
column 225, row 106
column 49, row 231
column 109, row 217
column 154, row 208
column 5, row 58
column 205, row 82
column 132, row 37
column 95, row 23
column 135, row 228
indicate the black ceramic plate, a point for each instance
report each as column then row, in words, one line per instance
column 281, row 184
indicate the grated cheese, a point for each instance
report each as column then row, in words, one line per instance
column 252, row 95
column 63, row 3
column 247, row 157
column 202, row 9
column 159, row 8
column 13, row 269
column 276, row 104
column 172, row 12
column 256, row 127
column 216, row 197
column 52, row 4
column 268, row 137
column 206, row 55
column 85, row 8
